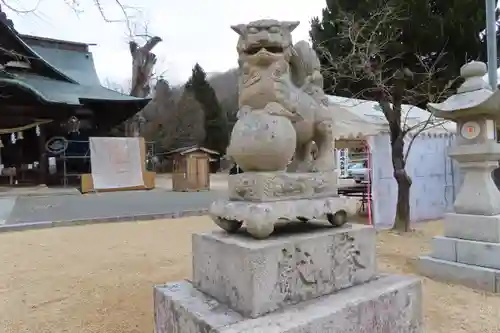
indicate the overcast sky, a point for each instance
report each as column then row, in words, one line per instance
column 192, row 30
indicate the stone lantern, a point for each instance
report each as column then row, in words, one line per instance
column 469, row 252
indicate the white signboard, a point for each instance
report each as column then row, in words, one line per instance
column 116, row 162
column 342, row 162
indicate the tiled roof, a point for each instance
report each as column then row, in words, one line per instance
column 55, row 91
column 74, row 78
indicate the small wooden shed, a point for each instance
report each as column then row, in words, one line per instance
column 191, row 168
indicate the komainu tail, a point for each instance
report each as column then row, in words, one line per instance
column 305, row 65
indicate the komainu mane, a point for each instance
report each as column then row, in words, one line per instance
column 284, row 79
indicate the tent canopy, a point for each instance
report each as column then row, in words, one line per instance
column 356, row 118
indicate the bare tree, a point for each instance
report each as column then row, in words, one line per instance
column 124, row 16
column 143, row 63
column 158, row 113
column 181, row 125
column 143, row 78
column 390, row 83
column 187, row 124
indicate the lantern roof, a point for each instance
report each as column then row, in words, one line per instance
column 473, row 98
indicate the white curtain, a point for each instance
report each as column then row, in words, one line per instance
column 434, row 175
column 116, row 162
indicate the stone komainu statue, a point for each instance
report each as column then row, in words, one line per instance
column 284, row 79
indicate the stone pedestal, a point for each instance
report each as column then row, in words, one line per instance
column 468, row 253
column 263, row 276
column 324, row 280
column 389, row 304
column 259, row 200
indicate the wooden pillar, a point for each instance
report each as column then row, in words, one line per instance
column 43, row 156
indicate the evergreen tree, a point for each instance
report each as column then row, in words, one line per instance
column 444, row 33
column 216, row 126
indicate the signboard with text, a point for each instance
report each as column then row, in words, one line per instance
column 342, row 161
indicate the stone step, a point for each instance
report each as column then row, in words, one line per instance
column 468, row 252
column 473, row 227
column 390, row 304
column 275, row 186
column 476, row 277
column 255, row 277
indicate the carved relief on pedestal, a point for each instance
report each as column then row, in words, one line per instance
column 299, row 275
column 274, row 186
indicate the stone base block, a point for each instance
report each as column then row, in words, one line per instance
column 468, row 252
column 255, row 277
column 274, row 186
column 444, row 248
column 260, row 217
column 391, row 304
column 473, row 227
column 468, row 275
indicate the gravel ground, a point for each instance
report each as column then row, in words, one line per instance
column 99, row 278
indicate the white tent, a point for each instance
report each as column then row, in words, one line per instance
column 435, row 176
column 356, row 118
column 486, row 77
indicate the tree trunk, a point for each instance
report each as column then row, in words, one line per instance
column 402, row 219
column 143, row 61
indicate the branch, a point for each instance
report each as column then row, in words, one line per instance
column 430, row 120
column 20, row 11
column 150, row 44
column 75, row 4
column 376, row 61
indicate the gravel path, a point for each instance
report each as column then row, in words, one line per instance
column 99, row 278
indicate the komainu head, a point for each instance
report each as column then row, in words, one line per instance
column 265, row 38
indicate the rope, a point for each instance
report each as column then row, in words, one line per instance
column 23, row 128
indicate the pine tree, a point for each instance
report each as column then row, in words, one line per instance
column 216, row 126
column 444, row 33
